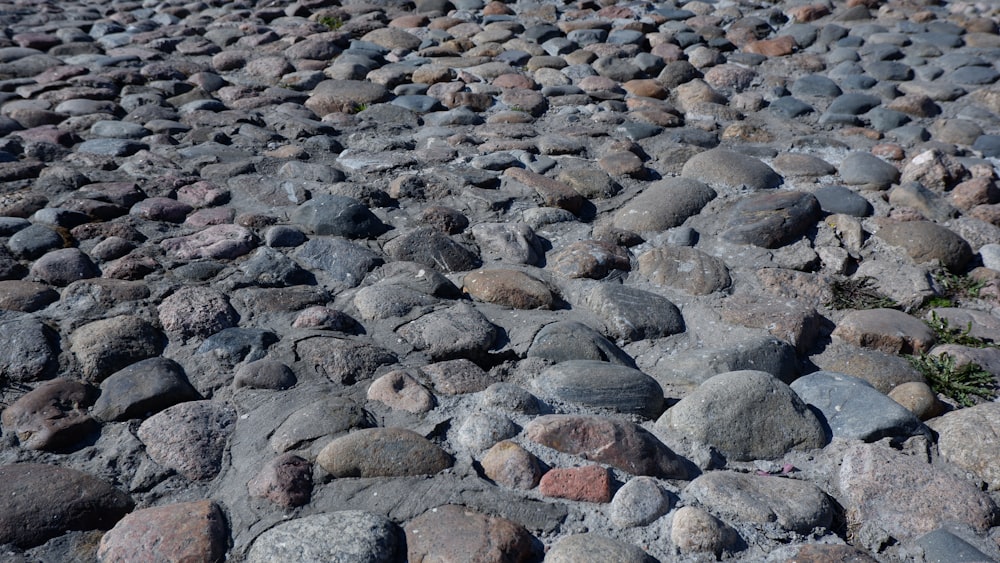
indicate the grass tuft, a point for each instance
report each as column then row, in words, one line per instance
column 858, row 293
column 961, row 383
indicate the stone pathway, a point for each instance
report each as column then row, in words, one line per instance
column 497, row 281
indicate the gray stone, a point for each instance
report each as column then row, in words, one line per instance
column 771, row 220
column 640, row 501
column 695, row 530
column 267, row 267
column 389, row 300
column 687, row 269
column 514, row 243
column 52, row 416
column 631, row 314
column 964, row 440
column 457, row 332
column 432, row 248
column 324, row 418
column 569, row 340
column 854, row 409
column 840, row 199
column 924, row 241
column 797, row 506
column 887, row 330
column 30, row 351
column 764, row 353
column 64, row 266
column 601, row 385
column 745, row 415
column 190, row 437
column 142, row 388
column 343, row 261
column 664, row 204
column 233, row 345
column 344, row 535
column 594, row 548
column 941, row 545
column 342, row 360
column 106, row 346
column 34, row 241
column 867, row 171
column 337, row 215
column 382, row 452
column 459, row 533
column 730, row 171
column 196, row 312
column 481, row 431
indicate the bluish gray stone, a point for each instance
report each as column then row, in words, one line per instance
column 562, row 341
column 853, row 103
column 976, row 75
column 143, row 388
column 236, row 344
column 854, row 409
column 942, row 546
column 601, row 385
column 338, row 216
column 633, row 314
column 868, row 170
column 789, row 107
column 34, row 241
column 840, row 199
column 815, row 85
column 771, row 220
column 111, row 147
column 344, row 261
column 729, row 169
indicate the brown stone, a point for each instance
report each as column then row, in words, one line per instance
column 382, row 452
column 457, row 533
column 589, row 259
column 618, row 443
column 52, row 416
column 509, row 288
column 777, row 47
column 808, row 13
column 977, row 191
column 510, row 465
column 646, row 87
column 25, row 296
column 457, row 377
column 400, row 390
column 553, row 192
column 188, row 531
column 285, row 480
column 622, row 163
column 888, row 330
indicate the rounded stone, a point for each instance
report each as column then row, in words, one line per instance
column 344, row 535
column 730, row 170
column 63, row 267
column 918, row 398
column 695, row 530
column 640, row 501
column 196, row 312
column 510, row 465
column 382, row 452
column 187, row 531
column 400, row 390
column 509, row 288
column 594, row 548
column 601, row 385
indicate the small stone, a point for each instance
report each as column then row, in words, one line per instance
column 918, row 398
column 694, row 530
column 590, row 483
column 640, row 501
column 196, row 312
column 482, row 430
column 51, row 416
column 589, row 259
column 285, row 480
column 510, row 465
column 225, row 242
column 173, row 532
column 189, row 438
column 382, row 452
column 687, row 269
column 400, row 390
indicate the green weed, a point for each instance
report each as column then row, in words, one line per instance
column 960, row 383
column 858, row 293
column 946, row 334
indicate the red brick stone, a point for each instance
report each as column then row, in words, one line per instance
column 590, row 483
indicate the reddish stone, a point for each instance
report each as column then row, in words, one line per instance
column 189, row 531
column 890, row 151
column 590, row 483
column 457, row 533
column 811, row 12
column 514, row 80
column 777, row 47
column 285, row 480
column 52, row 416
column 553, row 192
column 978, row 191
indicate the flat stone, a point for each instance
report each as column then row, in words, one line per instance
column 453, row 533
column 942, row 545
column 795, row 505
column 342, row 360
column 687, row 269
column 867, row 171
column 963, row 440
column 344, row 96
column 771, row 220
column 664, row 204
column 174, row 532
column 389, row 300
column 343, row 261
column 144, row 387
column 382, row 452
column 52, row 416
column 569, row 340
column 870, row 473
column 745, row 415
column 729, row 170
column 601, row 385
column 340, row 216
column 432, row 248
column 459, row 331
column 514, row 243
column 840, row 199
column 46, row 501
column 106, row 346
column 631, row 314
column 884, row 371
column 553, row 192
column 343, row 535
column 285, row 480
column 509, row 288
column 589, row 483
column 924, row 241
column 189, row 437
column 225, row 242
column 594, row 548
column 887, row 330
column 323, row 418
column 854, row 409
column 604, row 440
column 457, row 377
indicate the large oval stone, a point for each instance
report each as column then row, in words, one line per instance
column 383, row 452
